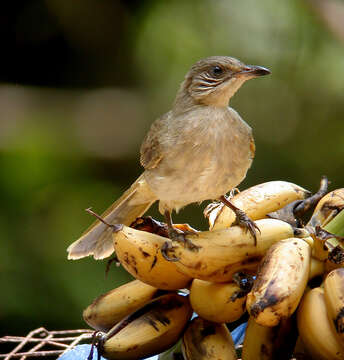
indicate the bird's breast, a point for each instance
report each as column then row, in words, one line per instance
column 210, row 156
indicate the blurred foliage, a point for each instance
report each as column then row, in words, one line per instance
column 81, row 82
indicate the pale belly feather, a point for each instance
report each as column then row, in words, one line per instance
column 204, row 165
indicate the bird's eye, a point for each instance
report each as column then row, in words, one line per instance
column 217, row 70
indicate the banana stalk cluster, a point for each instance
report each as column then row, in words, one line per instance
column 228, row 277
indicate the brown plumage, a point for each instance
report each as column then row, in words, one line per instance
column 199, row 150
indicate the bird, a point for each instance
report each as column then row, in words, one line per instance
column 199, row 150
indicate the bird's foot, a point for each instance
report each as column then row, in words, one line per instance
column 165, row 249
column 244, row 221
column 180, row 236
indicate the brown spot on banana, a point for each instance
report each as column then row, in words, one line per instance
column 131, row 244
column 148, row 331
column 281, row 279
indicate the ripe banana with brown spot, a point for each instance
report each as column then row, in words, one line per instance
column 315, row 329
column 221, row 303
column 207, row 340
column 110, row 308
column 327, row 208
column 266, row 343
column 334, row 298
column 326, row 217
column 220, row 250
column 217, row 302
column 281, row 280
column 256, row 202
column 139, row 253
column 148, row 331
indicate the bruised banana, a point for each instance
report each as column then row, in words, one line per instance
column 221, row 303
column 327, row 208
column 281, row 280
column 334, row 298
column 266, row 343
column 139, row 253
column 148, row 331
column 256, row 202
column 207, row 340
column 221, row 250
column 317, row 335
column 110, row 308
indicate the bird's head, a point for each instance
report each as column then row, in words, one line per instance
column 214, row 80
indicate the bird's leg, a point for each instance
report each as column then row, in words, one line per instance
column 242, row 219
column 176, row 234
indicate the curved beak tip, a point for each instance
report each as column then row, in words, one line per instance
column 257, row 70
column 252, row 71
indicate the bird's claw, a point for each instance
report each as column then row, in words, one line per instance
column 177, row 235
column 165, row 248
column 244, row 221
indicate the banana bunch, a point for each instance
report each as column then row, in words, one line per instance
column 226, row 278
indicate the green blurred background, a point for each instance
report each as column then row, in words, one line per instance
column 81, row 82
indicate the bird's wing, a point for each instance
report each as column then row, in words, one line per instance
column 151, row 148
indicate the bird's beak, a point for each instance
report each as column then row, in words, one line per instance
column 253, row 71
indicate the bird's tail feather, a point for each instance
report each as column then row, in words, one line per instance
column 97, row 239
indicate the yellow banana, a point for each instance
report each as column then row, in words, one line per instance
column 266, row 343
column 317, row 268
column 148, row 331
column 327, row 220
column 110, row 308
column 258, row 343
column 139, row 253
column 207, row 340
column 219, row 250
column 334, row 298
column 281, row 280
column 327, row 208
column 315, row 329
column 256, row 202
column 217, row 302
